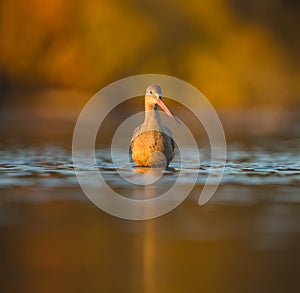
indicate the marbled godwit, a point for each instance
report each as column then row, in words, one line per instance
column 152, row 144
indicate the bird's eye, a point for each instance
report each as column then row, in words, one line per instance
column 151, row 92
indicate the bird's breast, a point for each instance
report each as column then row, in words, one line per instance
column 147, row 143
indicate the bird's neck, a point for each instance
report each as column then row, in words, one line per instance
column 152, row 118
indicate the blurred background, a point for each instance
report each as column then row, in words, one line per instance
column 244, row 55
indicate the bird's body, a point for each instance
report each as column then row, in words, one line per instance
column 152, row 144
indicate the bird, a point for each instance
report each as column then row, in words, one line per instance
column 152, row 144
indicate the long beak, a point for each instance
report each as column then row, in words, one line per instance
column 165, row 108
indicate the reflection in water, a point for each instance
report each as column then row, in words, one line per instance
column 140, row 183
column 150, row 255
column 247, row 236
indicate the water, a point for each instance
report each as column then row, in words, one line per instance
column 246, row 238
column 52, row 167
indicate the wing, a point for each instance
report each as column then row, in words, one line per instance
column 136, row 132
column 169, row 133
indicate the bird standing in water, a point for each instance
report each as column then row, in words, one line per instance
column 152, row 144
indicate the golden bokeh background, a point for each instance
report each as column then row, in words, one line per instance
column 239, row 53
column 55, row 55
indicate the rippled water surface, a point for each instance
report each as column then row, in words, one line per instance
column 246, row 236
column 52, row 167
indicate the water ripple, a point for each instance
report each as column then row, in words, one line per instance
column 53, row 167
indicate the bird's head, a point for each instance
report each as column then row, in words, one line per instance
column 154, row 97
column 153, row 94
